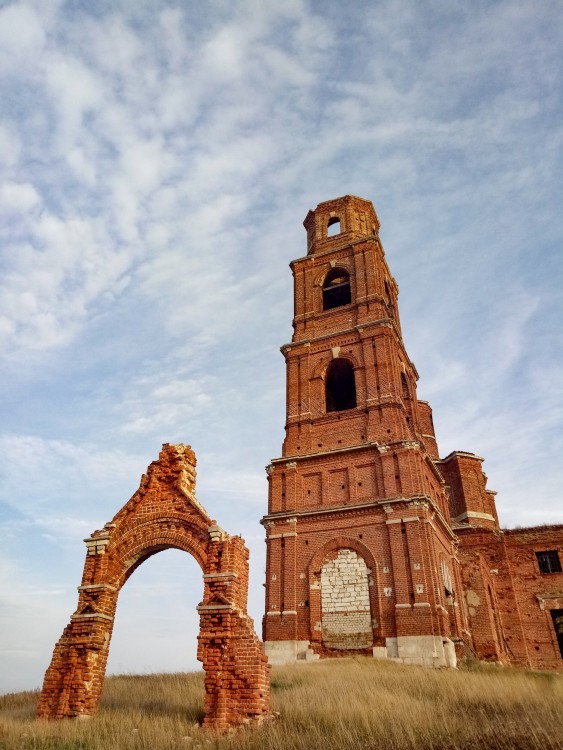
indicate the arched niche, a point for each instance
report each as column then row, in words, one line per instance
column 163, row 513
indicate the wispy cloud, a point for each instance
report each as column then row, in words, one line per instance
column 156, row 164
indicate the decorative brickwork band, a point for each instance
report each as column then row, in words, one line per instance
column 164, row 513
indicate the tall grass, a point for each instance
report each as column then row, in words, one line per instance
column 329, row 705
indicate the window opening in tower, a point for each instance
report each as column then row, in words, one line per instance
column 336, row 289
column 340, row 385
column 333, row 227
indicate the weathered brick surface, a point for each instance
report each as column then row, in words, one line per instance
column 369, row 479
column 510, row 601
column 163, row 513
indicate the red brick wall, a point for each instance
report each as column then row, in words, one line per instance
column 505, row 564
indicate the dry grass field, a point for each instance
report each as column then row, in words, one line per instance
column 328, row 705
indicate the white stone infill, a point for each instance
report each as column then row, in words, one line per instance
column 346, row 618
column 288, row 652
column 425, row 650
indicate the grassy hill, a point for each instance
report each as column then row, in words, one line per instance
column 329, row 705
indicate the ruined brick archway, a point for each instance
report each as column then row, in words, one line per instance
column 163, row 514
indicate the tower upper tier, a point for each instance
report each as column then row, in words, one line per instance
column 340, row 221
column 343, row 281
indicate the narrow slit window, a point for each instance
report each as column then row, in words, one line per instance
column 405, row 387
column 336, row 289
column 389, row 300
column 340, row 385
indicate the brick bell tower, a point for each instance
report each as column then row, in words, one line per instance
column 361, row 557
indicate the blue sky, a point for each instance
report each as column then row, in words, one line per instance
column 157, row 160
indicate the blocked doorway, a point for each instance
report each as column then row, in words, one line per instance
column 346, row 620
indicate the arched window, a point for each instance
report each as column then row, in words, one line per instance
column 336, row 289
column 333, row 227
column 340, row 385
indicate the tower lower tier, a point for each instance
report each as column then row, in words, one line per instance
column 379, row 578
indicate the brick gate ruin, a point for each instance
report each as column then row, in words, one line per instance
column 164, row 513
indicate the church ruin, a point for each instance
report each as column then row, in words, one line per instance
column 375, row 544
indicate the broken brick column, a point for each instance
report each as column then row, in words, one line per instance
column 236, row 669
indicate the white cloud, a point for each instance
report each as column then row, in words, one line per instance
column 156, row 404
column 18, row 198
column 10, row 145
column 47, row 291
column 32, row 616
column 22, row 35
column 36, row 471
column 75, row 91
column 513, row 330
column 157, row 162
column 116, row 49
column 82, row 165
